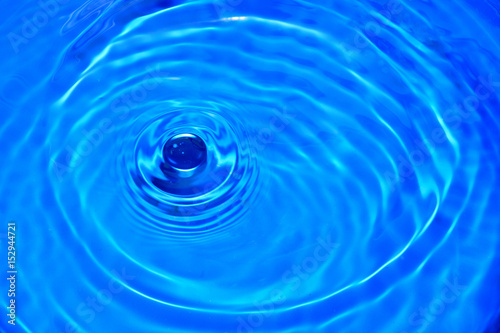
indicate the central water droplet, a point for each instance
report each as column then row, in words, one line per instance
column 185, row 151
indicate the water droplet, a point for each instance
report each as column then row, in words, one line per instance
column 185, row 152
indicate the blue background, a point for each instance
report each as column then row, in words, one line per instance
column 351, row 182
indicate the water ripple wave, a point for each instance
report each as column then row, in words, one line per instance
column 351, row 175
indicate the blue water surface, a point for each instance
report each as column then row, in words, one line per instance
column 342, row 171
